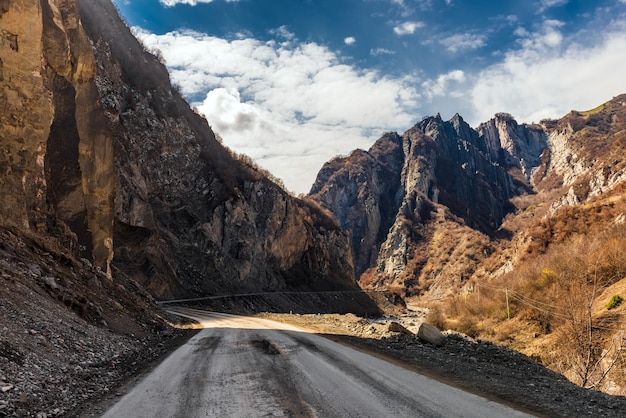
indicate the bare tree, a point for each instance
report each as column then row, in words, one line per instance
column 590, row 348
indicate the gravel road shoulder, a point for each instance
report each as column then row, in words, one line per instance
column 480, row 367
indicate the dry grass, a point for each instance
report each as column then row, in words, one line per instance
column 552, row 306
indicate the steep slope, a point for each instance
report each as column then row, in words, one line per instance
column 363, row 191
column 102, row 153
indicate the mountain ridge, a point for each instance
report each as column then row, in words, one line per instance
column 446, row 166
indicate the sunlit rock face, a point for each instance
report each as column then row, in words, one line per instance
column 58, row 158
column 99, row 151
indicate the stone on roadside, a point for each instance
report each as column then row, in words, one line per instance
column 430, row 334
column 396, row 327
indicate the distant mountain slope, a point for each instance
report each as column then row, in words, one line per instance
column 101, row 152
column 424, row 208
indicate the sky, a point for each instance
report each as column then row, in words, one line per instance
column 294, row 83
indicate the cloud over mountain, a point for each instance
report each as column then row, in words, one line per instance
column 284, row 102
column 293, row 98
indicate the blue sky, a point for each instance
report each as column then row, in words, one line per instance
column 293, row 83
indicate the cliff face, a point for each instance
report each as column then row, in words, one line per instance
column 102, row 153
column 425, row 208
column 363, row 192
column 57, row 162
column 384, row 196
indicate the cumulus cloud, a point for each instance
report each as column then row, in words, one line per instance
column 463, row 41
column 292, row 105
column 289, row 105
column 350, row 40
column 407, row 28
column 546, row 38
column 546, row 78
column 444, row 84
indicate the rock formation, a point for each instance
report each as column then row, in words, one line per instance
column 423, row 208
column 100, row 152
column 382, row 196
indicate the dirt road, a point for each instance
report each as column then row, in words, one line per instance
column 242, row 366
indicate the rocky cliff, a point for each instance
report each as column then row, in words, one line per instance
column 100, row 152
column 423, row 209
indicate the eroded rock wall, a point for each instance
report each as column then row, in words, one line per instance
column 58, row 158
column 99, row 151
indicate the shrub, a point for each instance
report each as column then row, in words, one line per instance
column 468, row 326
column 615, row 301
column 435, row 317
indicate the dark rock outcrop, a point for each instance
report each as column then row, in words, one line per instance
column 380, row 196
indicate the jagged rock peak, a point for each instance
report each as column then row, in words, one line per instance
column 453, row 177
column 514, row 145
column 374, row 195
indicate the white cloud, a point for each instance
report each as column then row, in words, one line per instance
column 546, row 38
column 289, row 105
column 444, row 84
column 283, row 32
column 407, row 28
column 292, row 105
column 350, row 40
column 546, row 79
column 463, row 41
column 381, row 51
column 546, row 4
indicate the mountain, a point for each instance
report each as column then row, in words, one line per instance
column 399, row 198
column 101, row 153
column 424, row 208
column 509, row 232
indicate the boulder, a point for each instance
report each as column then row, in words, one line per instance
column 430, row 334
column 396, row 327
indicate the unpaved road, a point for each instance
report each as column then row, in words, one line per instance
column 251, row 367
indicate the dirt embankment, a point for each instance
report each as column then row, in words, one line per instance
column 69, row 334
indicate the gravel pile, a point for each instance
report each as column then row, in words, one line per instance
column 69, row 335
column 53, row 364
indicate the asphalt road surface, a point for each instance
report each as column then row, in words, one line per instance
column 251, row 367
